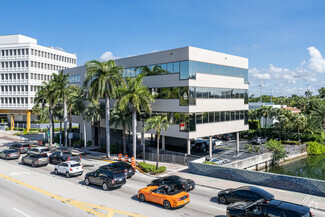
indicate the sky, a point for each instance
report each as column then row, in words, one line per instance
column 283, row 39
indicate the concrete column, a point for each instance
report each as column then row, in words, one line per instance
column 210, row 147
column 163, row 142
column 188, row 147
column 237, row 143
column 28, row 121
column 143, row 147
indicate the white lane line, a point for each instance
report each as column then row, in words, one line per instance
column 19, row 173
column 21, row 212
column 306, row 199
column 223, row 209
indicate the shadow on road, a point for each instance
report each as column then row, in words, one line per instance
column 215, row 200
column 97, row 186
column 135, row 197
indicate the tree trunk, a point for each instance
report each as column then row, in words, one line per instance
column 298, row 134
column 157, row 162
column 50, row 127
column 53, row 129
column 85, row 137
column 134, row 132
column 65, row 122
column 265, row 126
column 123, row 140
column 60, row 132
column 98, row 133
column 108, row 140
column 261, row 127
column 70, row 124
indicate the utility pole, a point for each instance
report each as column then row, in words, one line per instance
column 260, row 85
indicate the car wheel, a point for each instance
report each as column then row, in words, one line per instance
column 87, row 181
column 167, row 204
column 33, row 164
column 51, row 161
column 142, row 198
column 222, row 199
column 22, row 161
column 104, row 186
column 7, row 158
column 67, row 174
column 55, row 171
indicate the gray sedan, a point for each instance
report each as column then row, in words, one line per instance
column 35, row 160
column 9, row 154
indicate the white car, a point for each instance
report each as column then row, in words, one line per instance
column 216, row 142
column 217, row 161
column 69, row 168
column 39, row 150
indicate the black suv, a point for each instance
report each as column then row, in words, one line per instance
column 106, row 177
column 274, row 208
column 121, row 165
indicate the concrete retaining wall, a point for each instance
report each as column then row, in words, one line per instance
column 291, row 183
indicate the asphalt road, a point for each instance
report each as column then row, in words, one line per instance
column 33, row 197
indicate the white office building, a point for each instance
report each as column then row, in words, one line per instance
column 208, row 92
column 24, row 65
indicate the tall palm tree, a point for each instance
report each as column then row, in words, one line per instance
column 319, row 112
column 122, row 118
column 266, row 112
column 103, row 79
column 62, row 91
column 157, row 123
column 94, row 112
column 78, row 99
column 299, row 121
column 45, row 96
column 312, row 125
column 135, row 96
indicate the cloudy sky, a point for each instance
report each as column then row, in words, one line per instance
column 283, row 39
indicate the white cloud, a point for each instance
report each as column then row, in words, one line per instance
column 107, row 56
column 258, row 75
column 59, row 48
column 316, row 61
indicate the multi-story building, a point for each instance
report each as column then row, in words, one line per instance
column 24, row 65
column 204, row 93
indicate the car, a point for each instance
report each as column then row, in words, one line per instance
column 164, row 195
column 258, row 140
column 216, row 143
column 245, row 193
column 201, row 146
column 263, row 208
column 106, row 177
column 61, row 156
column 21, row 148
column 40, row 150
column 123, row 166
column 35, row 159
column 175, row 182
column 69, row 168
column 217, row 161
column 226, row 137
column 9, row 154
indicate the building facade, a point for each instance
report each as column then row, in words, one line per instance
column 204, row 93
column 24, row 65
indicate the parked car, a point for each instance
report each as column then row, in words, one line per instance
column 201, row 146
column 175, row 182
column 164, row 195
column 217, row 161
column 268, row 208
column 40, row 150
column 69, row 168
column 35, row 159
column 9, row 154
column 226, row 137
column 258, row 140
column 245, row 193
column 105, row 177
column 123, row 166
column 61, row 156
column 21, row 148
column 216, row 143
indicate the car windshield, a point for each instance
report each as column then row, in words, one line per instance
column 75, row 165
column 45, row 150
column 26, row 145
column 41, row 156
column 66, row 153
column 11, row 151
column 178, row 178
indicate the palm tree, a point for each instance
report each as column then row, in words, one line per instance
column 308, row 93
column 62, row 91
column 136, row 97
column 45, row 96
column 319, row 112
column 299, row 121
column 312, row 125
column 94, row 112
column 266, row 112
column 103, row 79
column 158, row 123
column 78, row 98
column 122, row 118
column 156, row 70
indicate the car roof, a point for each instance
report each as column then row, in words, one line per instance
column 71, row 162
column 254, row 189
column 290, row 206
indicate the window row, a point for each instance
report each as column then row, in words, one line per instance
column 53, row 56
column 211, row 117
column 46, row 66
column 74, row 79
column 188, row 70
column 13, row 88
column 9, row 100
column 13, row 76
column 13, row 64
column 14, row 52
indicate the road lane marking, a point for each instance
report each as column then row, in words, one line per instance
column 79, row 204
column 306, row 199
column 21, row 212
column 19, row 173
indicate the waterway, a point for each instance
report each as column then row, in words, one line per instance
column 312, row 166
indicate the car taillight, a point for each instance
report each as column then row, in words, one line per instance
column 311, row 214
column 82, row 167
column 9, row 154
column 188, row 195
column 70, row 169
column 68, row 159
column 178, row 199
column 79, row 158
column 125, row 170
column 37, row 160
column 113, row 181
column 183, row 186
column 21, row 148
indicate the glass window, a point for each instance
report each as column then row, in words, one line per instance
column 288, row 213
column 211, row 117
column 211, row 69
column 176, row 67
column 199, row 118
column 184, row 70
column 192, row 122
column 217, row 93
column 205, row 93
column 217, row 116
column 192, row 73
column 211, row 93
column 170, row 67
column 232, row 114
column 205, row 117
column 222, row 116
column 205, row 67
column 192, row 99
column 164, row 66
column 271, row 211
column 228, row 116
column 184, row 96
column 198, row 67
column 246, row 117
column 199, row 92
column 223, row 93
column 237, row 115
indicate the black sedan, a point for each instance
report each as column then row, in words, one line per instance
column 105, row 177
column 123, row 166
column 9, row 154
column 21, row 148
column 175, row 182
column 245, row 194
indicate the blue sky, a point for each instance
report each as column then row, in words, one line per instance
column 284, row 40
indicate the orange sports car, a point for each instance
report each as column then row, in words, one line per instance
column 164, row 195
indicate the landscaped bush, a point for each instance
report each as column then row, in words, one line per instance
column 312, row 138
column 28, row 133
column 314, row 148
column 249, row 148
column 277, row 148
column 151, row 168
column 291, row 142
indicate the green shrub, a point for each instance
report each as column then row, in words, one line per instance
column 257, row 148
column 249, row 148
column 151, row 168
column 291, row 142
column 277, row 148
column 315, row 148
column 89, row 143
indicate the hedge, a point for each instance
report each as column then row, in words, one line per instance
column 315, row 148
column 151, row 168
column 289, row 142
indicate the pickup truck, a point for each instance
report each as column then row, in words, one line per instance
column 258, row 140
column 61, row 156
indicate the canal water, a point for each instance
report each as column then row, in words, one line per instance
column 312, row 166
